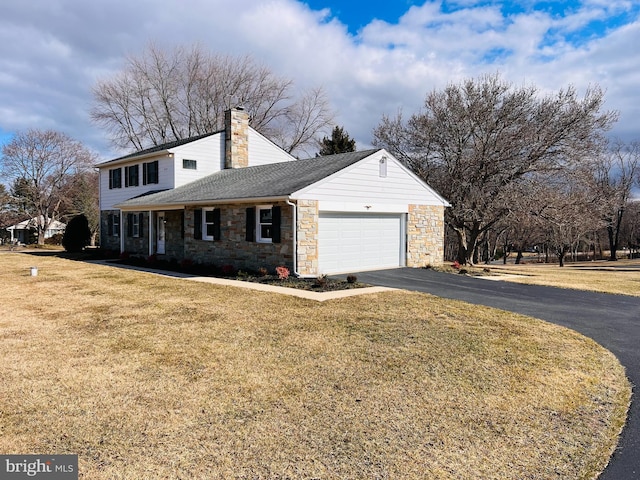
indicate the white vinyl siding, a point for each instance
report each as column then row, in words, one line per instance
column 263, row 151
column 351, row 242
column 208, row 152
column 111, row 197
column 356, row 187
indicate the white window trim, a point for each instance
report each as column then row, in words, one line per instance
column 204, row 224
column 259, row 238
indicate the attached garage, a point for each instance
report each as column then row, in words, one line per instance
column 351, row 242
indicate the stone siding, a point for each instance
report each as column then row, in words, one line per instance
column 233, row 248
column 425, row 235
column 307, row 251
column 236, row 143
column 138, row 246
column 109, row 242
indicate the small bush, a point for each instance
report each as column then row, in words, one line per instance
column 322, row 281
column 263, row 272
column 54, row 239
column 352, row 279
column 456, row 265
column 282, row 272
column 228, row 270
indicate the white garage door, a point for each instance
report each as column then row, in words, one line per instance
column 350, row 242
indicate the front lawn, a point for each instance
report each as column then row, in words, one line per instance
column 152, row 377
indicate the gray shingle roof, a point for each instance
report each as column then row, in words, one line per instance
column 264, row 181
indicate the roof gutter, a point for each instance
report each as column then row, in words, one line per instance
column 178, row 206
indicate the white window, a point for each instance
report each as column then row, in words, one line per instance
column 189, row 164
column 264, row 224
column 208, row 223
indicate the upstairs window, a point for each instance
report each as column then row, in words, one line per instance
column 189, row 164
column 150, row 173
column 115, row 178
column 131, row 176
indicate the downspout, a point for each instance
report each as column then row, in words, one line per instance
column 295, row 237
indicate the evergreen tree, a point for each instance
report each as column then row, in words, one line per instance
column 340, row 142
column 77, row 235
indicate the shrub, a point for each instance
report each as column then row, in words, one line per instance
column 282, row 272
column 227, row 270
column 322, row 281
column 456, row 265
column 54, row 239
column 263, row 272
column 352, row 279
column 77, row 235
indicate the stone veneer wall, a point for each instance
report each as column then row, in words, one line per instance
column 109, row 242
column 139, row 245
column 173, row 235
column 233, row 248
column 307, row 251
column 425, row 235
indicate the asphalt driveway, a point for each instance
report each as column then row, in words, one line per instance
column 611, row 320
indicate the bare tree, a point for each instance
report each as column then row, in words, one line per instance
column 475, row 141
column 79, row 196
column 614, row 175
column 162, row 96
column 43, row 162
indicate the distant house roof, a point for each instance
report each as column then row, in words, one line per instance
column 32, row 223
column 263, row 181
column 161, row 148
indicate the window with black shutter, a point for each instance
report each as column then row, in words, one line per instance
column 250, row 225
column 150, row 173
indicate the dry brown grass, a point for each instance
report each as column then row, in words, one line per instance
column 148, row 377
column 621, row 277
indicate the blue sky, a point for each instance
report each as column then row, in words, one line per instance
column 372, row 58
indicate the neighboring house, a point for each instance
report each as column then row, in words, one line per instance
column 233, row 197
column 20, row 231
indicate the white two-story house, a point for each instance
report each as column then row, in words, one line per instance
column 235, row 198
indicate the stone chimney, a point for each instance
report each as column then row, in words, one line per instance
column 236, row 138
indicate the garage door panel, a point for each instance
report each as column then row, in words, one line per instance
column 352, row 242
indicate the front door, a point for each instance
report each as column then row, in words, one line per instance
column 160, row 241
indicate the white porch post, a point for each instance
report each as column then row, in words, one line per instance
column 152, row 221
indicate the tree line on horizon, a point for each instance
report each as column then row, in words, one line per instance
column 520, row 168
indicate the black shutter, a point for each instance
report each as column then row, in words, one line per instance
column 216, row 224
column 110, row 224
column 110, row 181
column 130, row 224
column 145, row 173
column 197, row 224
column 251, row 224
column 141, row 225
column 275, row 224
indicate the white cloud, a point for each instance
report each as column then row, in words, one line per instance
column 52, row 51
